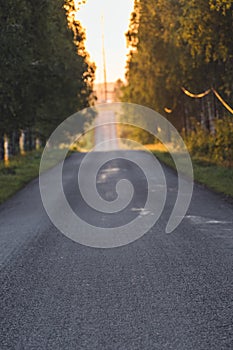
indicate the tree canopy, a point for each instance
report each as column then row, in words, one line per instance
column 45, row 71
column 176, row 43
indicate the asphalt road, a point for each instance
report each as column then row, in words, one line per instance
column 163, row 291
column 106, row 132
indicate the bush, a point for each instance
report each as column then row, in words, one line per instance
column 216, row 147
column 223, row 141
column 136, row 134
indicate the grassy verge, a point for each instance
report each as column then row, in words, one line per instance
column 17, row 173
column 215, row 177
column 21, row 169
column 86, row 142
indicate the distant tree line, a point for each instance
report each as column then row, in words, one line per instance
column 179, row 43
column 45, row 72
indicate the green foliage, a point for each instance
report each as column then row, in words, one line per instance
column 175, row 43
column 18, row 173
column 197, row 139
column 222, row 142
column 45, row 73
column 217, row 147
column 180, row 43
column 136, row 134
column 215, row 177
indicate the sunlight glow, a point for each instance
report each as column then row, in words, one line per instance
column 116, row 20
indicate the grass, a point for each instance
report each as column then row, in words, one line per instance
column 86, row 142
column 22, row 169
column 215, row 177
column 15, row 174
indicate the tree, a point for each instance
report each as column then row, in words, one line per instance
column 178, row 43
column 45, row 72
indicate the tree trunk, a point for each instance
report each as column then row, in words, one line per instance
column 210, row 115
column 1, row 147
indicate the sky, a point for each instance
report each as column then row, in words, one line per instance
column 116, row 20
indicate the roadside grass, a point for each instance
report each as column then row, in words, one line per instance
column 215, row 177
column 86, row 141
column 17, row 172
column 21, row 169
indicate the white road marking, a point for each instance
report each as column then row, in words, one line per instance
column 200, row 220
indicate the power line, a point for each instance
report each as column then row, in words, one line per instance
column 201, row 95
column 190, row 94
column 222, row 101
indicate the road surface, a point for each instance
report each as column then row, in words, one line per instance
column 105, row 132
column 161, row 292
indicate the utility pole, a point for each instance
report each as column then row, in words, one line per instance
column 104, row 61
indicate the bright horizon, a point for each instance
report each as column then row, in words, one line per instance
column 116, row 22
